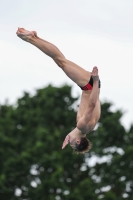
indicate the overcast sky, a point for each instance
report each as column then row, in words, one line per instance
column 89, row 33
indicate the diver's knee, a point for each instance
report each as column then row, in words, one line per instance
column 60, row 62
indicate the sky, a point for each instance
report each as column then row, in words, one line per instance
column 89, row 33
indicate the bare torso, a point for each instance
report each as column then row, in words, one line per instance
column 84, row 102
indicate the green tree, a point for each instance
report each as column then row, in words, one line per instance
column 34, row 167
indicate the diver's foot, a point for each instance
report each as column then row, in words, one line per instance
column 95, row 74
column 26, row 35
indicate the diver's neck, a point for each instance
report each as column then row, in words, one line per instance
column 79, row 133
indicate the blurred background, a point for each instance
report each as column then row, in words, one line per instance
column 32, row 124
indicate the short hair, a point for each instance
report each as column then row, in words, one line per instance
column 83, row 147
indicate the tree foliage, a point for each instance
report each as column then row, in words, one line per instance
column 34, row 167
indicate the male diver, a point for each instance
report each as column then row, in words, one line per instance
column 89, row 108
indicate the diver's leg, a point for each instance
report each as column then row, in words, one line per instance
column 77, row 74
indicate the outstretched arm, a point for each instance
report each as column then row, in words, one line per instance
column 87, row 116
